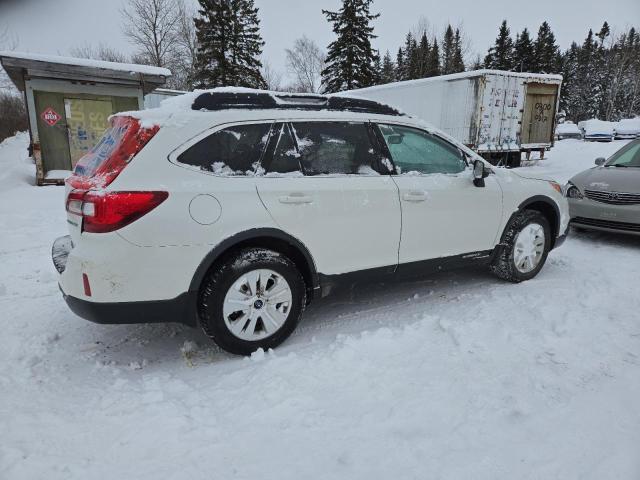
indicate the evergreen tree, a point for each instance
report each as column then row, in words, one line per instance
column 545, row 50
column 604, row 33
column 229, row 44
column 569, row 81
column 585, row 99
column 400, row 65
column 457, row 63
column 448, row 50
column 411, row 57
column 350, row 58
column 388, row 72
column 523, row 53
column 423, row 55
column 500, row 56
column 433, row 63
column 377, row 68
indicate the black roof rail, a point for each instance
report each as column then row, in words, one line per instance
column 213, row 101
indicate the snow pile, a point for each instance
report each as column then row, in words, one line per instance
column 569, row 157
column 628, row 126
column 460, row 376
column 16, row 169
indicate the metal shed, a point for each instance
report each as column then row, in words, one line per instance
column 69, row 101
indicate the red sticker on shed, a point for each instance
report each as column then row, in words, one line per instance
column 50, row 116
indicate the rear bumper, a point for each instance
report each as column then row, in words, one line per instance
column 107, row 305
column 181, row 309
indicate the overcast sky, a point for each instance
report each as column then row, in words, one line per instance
column 55, row 26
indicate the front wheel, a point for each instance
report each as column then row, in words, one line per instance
column 526, row 244
column 254, row 300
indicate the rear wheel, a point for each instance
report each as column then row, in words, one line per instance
column 254, row 300
column 526, row 243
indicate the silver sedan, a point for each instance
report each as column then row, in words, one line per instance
column 607, row 196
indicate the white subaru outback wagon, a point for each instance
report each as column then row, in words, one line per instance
column 232, row 209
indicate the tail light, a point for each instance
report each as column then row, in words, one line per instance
column 104, row 212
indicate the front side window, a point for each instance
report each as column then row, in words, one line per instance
column 327, row 148
column 234, row 150
column 417, row 152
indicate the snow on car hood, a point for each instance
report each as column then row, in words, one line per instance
column 612, row 179
column 526, row 175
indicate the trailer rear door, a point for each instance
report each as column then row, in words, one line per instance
column 539, row 114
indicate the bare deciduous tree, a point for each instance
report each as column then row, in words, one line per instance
column 186, row 47
column 14, row 115
column 272, row 77
column 152, row 26
column 7, row 42
column 101, row 52
column 306, row 61
column 164, row 33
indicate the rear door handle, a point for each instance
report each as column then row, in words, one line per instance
column 414, row 196
column 295, row 197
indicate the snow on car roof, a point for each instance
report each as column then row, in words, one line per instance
column 177, row 109
column 595, row 126
column 86, row 62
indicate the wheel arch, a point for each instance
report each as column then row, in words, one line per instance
column 547, row 207
column 270, row 238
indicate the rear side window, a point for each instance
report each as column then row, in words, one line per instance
column 121, row 142
column 234, row 150
column 286, row 158
column 336, row 148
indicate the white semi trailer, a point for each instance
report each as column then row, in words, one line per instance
column 496, row 113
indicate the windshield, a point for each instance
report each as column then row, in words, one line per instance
column 627, row 156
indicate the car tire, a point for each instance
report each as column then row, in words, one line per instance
column 268, row 292
column 525, row 245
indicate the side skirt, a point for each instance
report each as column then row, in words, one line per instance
column 404, row 271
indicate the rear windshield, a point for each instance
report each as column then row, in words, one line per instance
column 106, row 146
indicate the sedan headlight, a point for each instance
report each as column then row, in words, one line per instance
column 571, row 191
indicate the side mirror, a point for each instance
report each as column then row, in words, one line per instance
column 600, row 161
column 480, row 172
column 394, row 139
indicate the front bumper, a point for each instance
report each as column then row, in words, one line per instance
column 606, row 226
column 587, row 213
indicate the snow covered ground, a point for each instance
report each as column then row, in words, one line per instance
column 461, row 376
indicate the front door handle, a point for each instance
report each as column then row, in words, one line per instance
column 295, row 197
column 414, row 196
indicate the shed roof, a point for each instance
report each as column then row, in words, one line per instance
column 18, row 65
